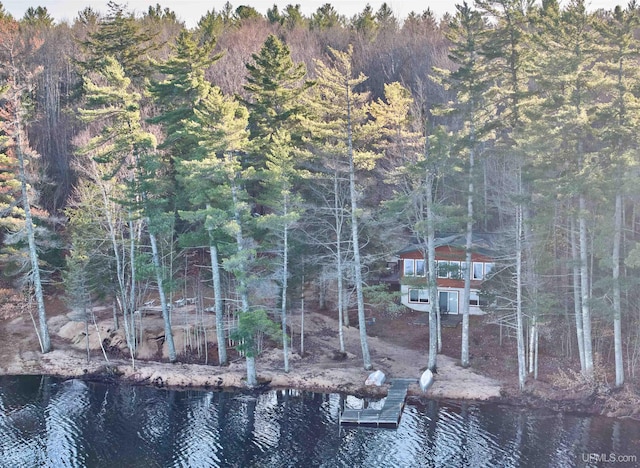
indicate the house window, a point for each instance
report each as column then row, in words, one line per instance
column 419, row 295
column 414, row 267
column 443, row 269
column 488, row 268
column 473, row 299
column 478, row 270
column 448, row 301
column 454, row 270
column 408, row 267
column 463, row 270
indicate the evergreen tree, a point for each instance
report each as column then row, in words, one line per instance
column 467, row 32
column 508, row 55
column 181, row 90
column 418, row 157
column 275, row 85
column 340, row 129
column 618, row 120
column 219, row 125
column 326, row 17
column 120, row 36
column 17, row 84
column 564, row 126
column 216, row 181
column 129, row 150
column 279, row 178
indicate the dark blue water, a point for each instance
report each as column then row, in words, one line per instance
column 46, row 422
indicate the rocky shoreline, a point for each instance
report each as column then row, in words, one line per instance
column 347, row 380
column 319, row 370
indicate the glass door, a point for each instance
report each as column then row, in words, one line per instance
column 448, row 302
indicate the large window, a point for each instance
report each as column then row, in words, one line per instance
column 419, row 295
column 449, row 269
column 473, row 299
column 448, row 301
column 478, row 271
column 414, row 267
column 488, row 268
column 408, row 267
column 481, row 270
column 443, row 269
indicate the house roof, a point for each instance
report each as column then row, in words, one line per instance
column 482, row 243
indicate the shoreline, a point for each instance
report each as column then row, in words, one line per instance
column 319, row 369
column 347, row 380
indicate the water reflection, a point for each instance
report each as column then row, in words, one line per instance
column 46, row 422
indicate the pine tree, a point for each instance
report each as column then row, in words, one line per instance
column 467, row 32
column 17, row 85
column 568, row 78
column 179, row 95
column 508, row 54
column 130, row 152
column 274, row 88
column 339, row 129
column 180, row 91
column 216, row 181
column 618, row 118
column 418, row 157
column 279, row 178
column 120, row 36
column 219, row 125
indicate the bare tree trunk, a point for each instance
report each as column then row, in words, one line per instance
column 45, row 340
column 168, row 333
column 617, row 309
column 343, row 319
column 357, row 266
column 285, row 273
column 577, row 307
column 434, row 310
column 302, row 320
column 519, row 321
column 217, row 292
column 585, row 288
column 121, row 295
column 464, row 354
column 252, row 376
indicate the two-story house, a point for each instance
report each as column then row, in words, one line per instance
column 451, row 271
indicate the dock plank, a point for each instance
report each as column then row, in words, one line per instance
column 390, row 413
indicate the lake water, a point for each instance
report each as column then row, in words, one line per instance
column 45, row 422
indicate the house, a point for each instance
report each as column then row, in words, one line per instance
column 450, row 265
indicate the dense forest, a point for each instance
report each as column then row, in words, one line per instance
column 258, row 156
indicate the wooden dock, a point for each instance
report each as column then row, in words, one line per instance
column 390, row 413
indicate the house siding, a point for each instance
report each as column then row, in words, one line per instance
column 450, row 290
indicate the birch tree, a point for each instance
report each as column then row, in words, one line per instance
column 468, row 81
column 567, row 76
column 130, row 150
column 17, row 84
column 619, row 119
column 339, row 127
column 408, row 140
column 508, row 55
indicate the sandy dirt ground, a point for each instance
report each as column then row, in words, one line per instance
column 320, row 367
